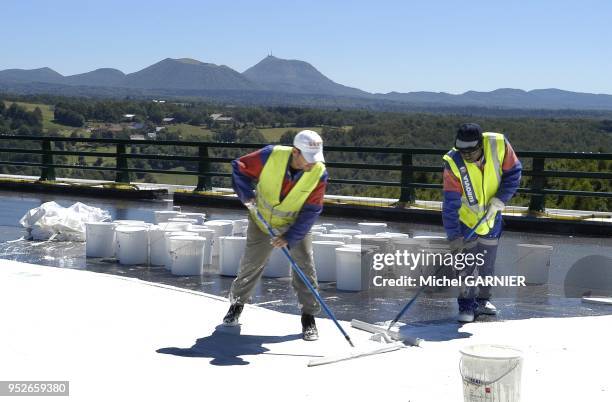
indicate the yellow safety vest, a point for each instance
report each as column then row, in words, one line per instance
column 478, row 186
column 281, row 214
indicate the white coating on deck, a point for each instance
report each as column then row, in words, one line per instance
column 115, row 338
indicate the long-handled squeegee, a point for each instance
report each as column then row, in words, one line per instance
column 391, row 345
column 396, row 334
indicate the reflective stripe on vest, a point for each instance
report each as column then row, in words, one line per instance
column 281, row 214
column 478, row 186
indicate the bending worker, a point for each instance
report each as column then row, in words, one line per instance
column 290, row 183
column 481, row 175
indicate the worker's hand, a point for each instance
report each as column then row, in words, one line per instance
column 278, row 242
column 456, row 245
column 495, row 205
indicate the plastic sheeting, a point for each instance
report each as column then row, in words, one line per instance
column 51, row 221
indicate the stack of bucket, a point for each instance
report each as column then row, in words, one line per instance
column 185, row 244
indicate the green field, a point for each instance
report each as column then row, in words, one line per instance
column 189, row 132
column 274, row 134
column 47, row 112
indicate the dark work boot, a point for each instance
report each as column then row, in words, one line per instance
column 231, row 318
column 309, row 328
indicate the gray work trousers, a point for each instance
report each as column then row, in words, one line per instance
column 468, row 295
column 256, row 255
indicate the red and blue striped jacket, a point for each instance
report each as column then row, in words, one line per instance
column 510, row 181
column 245, row 174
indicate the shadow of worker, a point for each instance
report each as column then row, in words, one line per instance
column 225, row 346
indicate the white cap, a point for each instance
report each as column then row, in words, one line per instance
column 310, row 144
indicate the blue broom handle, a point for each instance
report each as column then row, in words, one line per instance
column 302, row 276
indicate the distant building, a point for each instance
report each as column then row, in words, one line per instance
column 219, row 118
column 137, row 137
column 152, row 136
column 167, row 120
column 158, row 129
column 114, row 127
column 129, row 117
column 137, row 126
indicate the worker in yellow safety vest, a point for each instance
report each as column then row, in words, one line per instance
column 481, row 175
column 286, row 185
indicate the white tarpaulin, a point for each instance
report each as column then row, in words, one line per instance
column 52, row 221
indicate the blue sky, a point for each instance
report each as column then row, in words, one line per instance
column 381, row 46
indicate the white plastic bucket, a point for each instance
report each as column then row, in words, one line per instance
column 132, row 245
column 200, row 217
column 491, row 373
column 433, row 240
column 356, row 246
column 318, row 228
column 222, row 227
column 184, row 220
column 350, row 232
column 240, row 227
column 187, row 255
column 533, row 262
column 433, row 248
column 382, row 244
column 277, row 266
column 372, row 227
column 174, row 225
column 163, row 216
column 130, row 222
column 157, row 246
column 231, row 250
column 325, row 259
column 100, row 239
column 392, row 235
column 315, row 234
column 406, row 246
column 328, row 226
column 350, row 275
column 333, row 237
column 209, row 235
column 167, row 234
column 226, row 224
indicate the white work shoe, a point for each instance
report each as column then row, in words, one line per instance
column 465, row 316
column 486, row 307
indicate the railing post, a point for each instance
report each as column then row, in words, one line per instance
column 538, row 182
column 204, row 182
column 121, row 163
column 48, row 171
column 407, row 195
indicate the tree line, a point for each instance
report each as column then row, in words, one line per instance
column 341, row 127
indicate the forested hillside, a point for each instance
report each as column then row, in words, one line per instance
column 80, row 117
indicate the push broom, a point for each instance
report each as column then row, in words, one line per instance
column 391, row 346
column 395, row 335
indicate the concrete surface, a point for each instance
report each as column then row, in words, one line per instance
column 126, row 339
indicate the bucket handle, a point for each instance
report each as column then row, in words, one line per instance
column 174, row 252
column 485, row 383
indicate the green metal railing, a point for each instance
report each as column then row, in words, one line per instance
column 407, row 168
